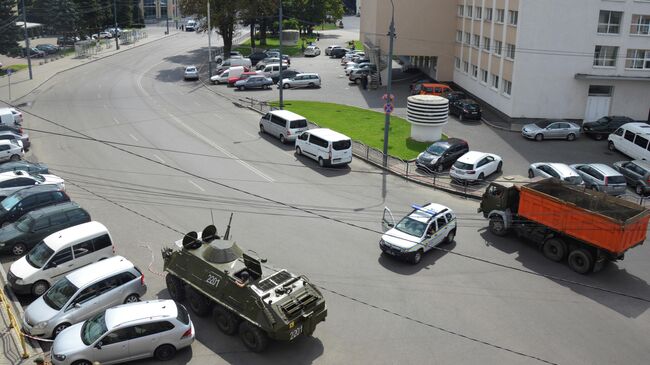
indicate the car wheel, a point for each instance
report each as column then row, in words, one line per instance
column 499, row 166
column 481, row 177
column 638, row 189
column 82, row 362
column 19, row 249
column 321, row 162
column 175, row 287
column 570, row 137
column 298, row 151
column 282, row 139
column 164, row 352
column 311, row 84
column 357, row 81
column 450, row 236
column 531, row 174
column 611, row 146
column 4, row 224
column 132, row 298
column 440, row 168
column 58, row 329
column 198, row 303
column 15, row 158
column 554, row 249
column 460, row 117
column 226, row 321
column 286, row 85
column 253, row 338
column 416, row 257
column 240, row 88
column 539, row 137
column 599, row 137
column 261, row 128
column 39, row 288
column 580, row 261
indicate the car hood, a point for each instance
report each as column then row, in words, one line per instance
column 52, row 179
column 531, row 128
column 9, row 233
column 69, row 341
column 39, row 311
column 400, row 239
column 22, row 269
column 429, row 157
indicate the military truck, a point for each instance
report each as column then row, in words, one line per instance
column 587, row 228
column 260, row 303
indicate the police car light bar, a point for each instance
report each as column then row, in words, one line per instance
column 427, row 211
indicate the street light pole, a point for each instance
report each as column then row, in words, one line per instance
column 280, row 49
column 389, row 99
column 117, row 44
column 209, row 43
column 29, row 50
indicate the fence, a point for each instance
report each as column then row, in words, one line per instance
column 13, row 323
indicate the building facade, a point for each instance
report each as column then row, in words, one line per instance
column 158, row 9
column 578, row 59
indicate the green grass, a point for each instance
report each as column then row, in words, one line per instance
column 15, row 68
column 245, row 48
column 361, row 125
column 326, row 26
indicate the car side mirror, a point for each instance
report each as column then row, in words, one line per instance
column 77, row 305
column 428, row 235
column 52, row 265
column 98, row 346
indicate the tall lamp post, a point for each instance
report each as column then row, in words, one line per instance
column 27, row 48
column 280, row 49
column 389, row 100
column 209, row 43
column 115, row 34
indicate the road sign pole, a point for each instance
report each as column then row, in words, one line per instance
column 9, row 78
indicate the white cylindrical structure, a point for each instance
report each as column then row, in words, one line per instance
column 427, row 115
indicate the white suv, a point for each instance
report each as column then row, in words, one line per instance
column 10, row 150
column 421, row 230
column 475, row 166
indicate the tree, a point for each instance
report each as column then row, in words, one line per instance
column 310, row 13
column 255, row 12
column 223, row 16
column 124, row 14
column 63, row 16
column 90, row 15
column 9, row 31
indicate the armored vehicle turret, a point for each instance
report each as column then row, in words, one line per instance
column 260, row 303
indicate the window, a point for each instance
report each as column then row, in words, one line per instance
column 120, row 335
column 83, row 248
column 641, row 142
column 495, row 81
column 513, row 15
column 465, row 66
column 486, row 44
column 461, row 10
column 500, row 15
column 640, row 24
column 58, row 218
column 41, row 223
column 484, row 75
column 497, row 47
column 629, row 136
column 478, row 12
column 510, row 51
column 78, row 216
column 477, row 40
column 488, row 14
column 600, row 90
column 609, row 22
column 62, row 256
column 474, row 71
column 605, row 56
column 459, row 36
column 468, row 11
column 458, row 63
column 638, row 59
column 467, row 38
column 148, row 329
column 317, row 141
column 507, row 87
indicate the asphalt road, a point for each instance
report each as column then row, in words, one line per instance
column 449, row 309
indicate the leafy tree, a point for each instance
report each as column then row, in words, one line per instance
column 63, row 16
column 90, row 14
column 310, row 13
column 124, row 14
column 224, row 15
column 254, row 12
column 9, row 32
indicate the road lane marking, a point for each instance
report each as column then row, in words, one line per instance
column 116, row 121
column 218, row 116
column 132, row 136
column 158, row 158
column 195, row 184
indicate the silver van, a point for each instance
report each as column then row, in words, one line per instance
column 84, row 293
column 283, row 124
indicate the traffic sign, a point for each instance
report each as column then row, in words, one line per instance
column 385, row 97
column 388, row 108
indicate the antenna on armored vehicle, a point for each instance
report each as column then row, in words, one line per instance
column 227, row 234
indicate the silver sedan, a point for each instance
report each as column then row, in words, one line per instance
column 557, row 170
column 551, row 129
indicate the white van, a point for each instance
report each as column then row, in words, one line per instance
column 190, row 26
column 283, row 124
column 222, row 78
column 631, row 139
column 58, row 254
column 7, row 117
column 234, row 61
column 272, row 68
column 325, row 146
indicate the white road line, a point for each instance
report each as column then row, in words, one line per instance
column 116, row 121
column 195, row 184
column 158, row 158
column 223, row 150
column 251, row 134
column 218, row 116
column 132, row 136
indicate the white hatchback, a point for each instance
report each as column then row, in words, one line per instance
column 475, row 166
column 302, row 80
column 10, row 150
column 12, row 181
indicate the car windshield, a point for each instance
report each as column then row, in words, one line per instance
column 437, row 149
column 471, row 106
column 93, row 328
column 341, row 145
column 24, row 223
column 10, row 201
column 39, row 255
column 412, row 227
column 427, row 89
column 544, row 123
column 576, row 180
column 603, row 120
column 463, row 166
column 60, row 293
column 615, row 179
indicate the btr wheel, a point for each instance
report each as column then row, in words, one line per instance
column 497, row 226
column 416, row 257
column 58, row 329
column 175, row 287
column 199, row 304
column 226, row 321
column 554, row 249
column 580, row 261
column 253, row 338
column 39, row 288
column 570, row 137
column 132, row 298
column 531, row 174
column 539, row 137
column 19, row 249
column 164, row 352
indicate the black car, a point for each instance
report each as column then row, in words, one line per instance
column 465, row 109
column 453, row 96
column 31, row 167
column 257, row 57
column 286, row 74
column 441, row 154
column 338, row 52
column 48, row 48
column 33, row 52
column 25, row 200
column 66, row 41
column 601, row 128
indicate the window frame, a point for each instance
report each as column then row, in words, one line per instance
column 609, row 25
column 603, row 58
column 500, row 16
column 635, row 59
column 637, row 22
column 513, row 17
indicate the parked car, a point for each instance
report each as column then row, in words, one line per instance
column 283, row 124
column 326, row 146
column 254, row 82
column 601, row 128
column 257, row 57
column 632, row 139
column 48, row 48
column 637, row 174
column 465, row 109
column 156, row 328
column 10, row 150
column 557, row 170
column 426, row 80
column 600, row 177
column 430, row 89
column 191, row 73
column 18, row 117
column 269, row 61
column 441, row 154
column 357, row 66
column 420, row 231
column 220, row 58
column 84, row 293
column 11, row 136
column 221, row 77
column 551, row 129
column 19, row 237
column 338, row 52
column 302, row 80
column 287, row 74
column 30, row 167
column 312, row 51
column 12, row 181
column 358, row 73
column 475, row 166
column 24, row 201
column 33, row 52
column 66, row 41
column 453, row 96
column 13, row 128
column 329, row 49
column 102, row 35
column 243, row 76
column 234, row 61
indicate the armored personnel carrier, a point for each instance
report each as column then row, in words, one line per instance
column 219, row 279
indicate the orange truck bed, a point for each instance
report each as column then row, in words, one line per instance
column 610, row 223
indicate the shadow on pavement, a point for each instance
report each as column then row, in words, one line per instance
column 404, row 267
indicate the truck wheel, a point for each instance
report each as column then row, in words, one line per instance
column 252, row 337
column 225, row 320
column 497, row 226
column 416, row 257
column 554, row 249
column 581, row 261
column 199, row 304
column 175, row 288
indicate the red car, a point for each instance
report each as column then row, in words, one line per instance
column 243, row 76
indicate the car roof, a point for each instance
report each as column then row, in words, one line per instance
column 307, row 74
column 37, row 189
column 472, row 156
column 452, row 141
column 53, row 208
column 562, row 168
column 607, row 170
column 98, row 270
column 151, row 309
column 637, row 127
column 186, row 67
column 8, row 175
column 59, row 239
column 643, row 163
column 328, row 134
column 285, row 114
column 424, row 213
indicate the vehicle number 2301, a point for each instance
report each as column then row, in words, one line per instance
column 212, row 280
column 295, row 332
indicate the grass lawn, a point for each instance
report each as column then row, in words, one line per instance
column 360, row 124
column 245, row 48
column 16, row 68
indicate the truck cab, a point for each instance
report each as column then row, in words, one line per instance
column 499, row 197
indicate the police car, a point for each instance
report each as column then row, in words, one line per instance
column 418, row 232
